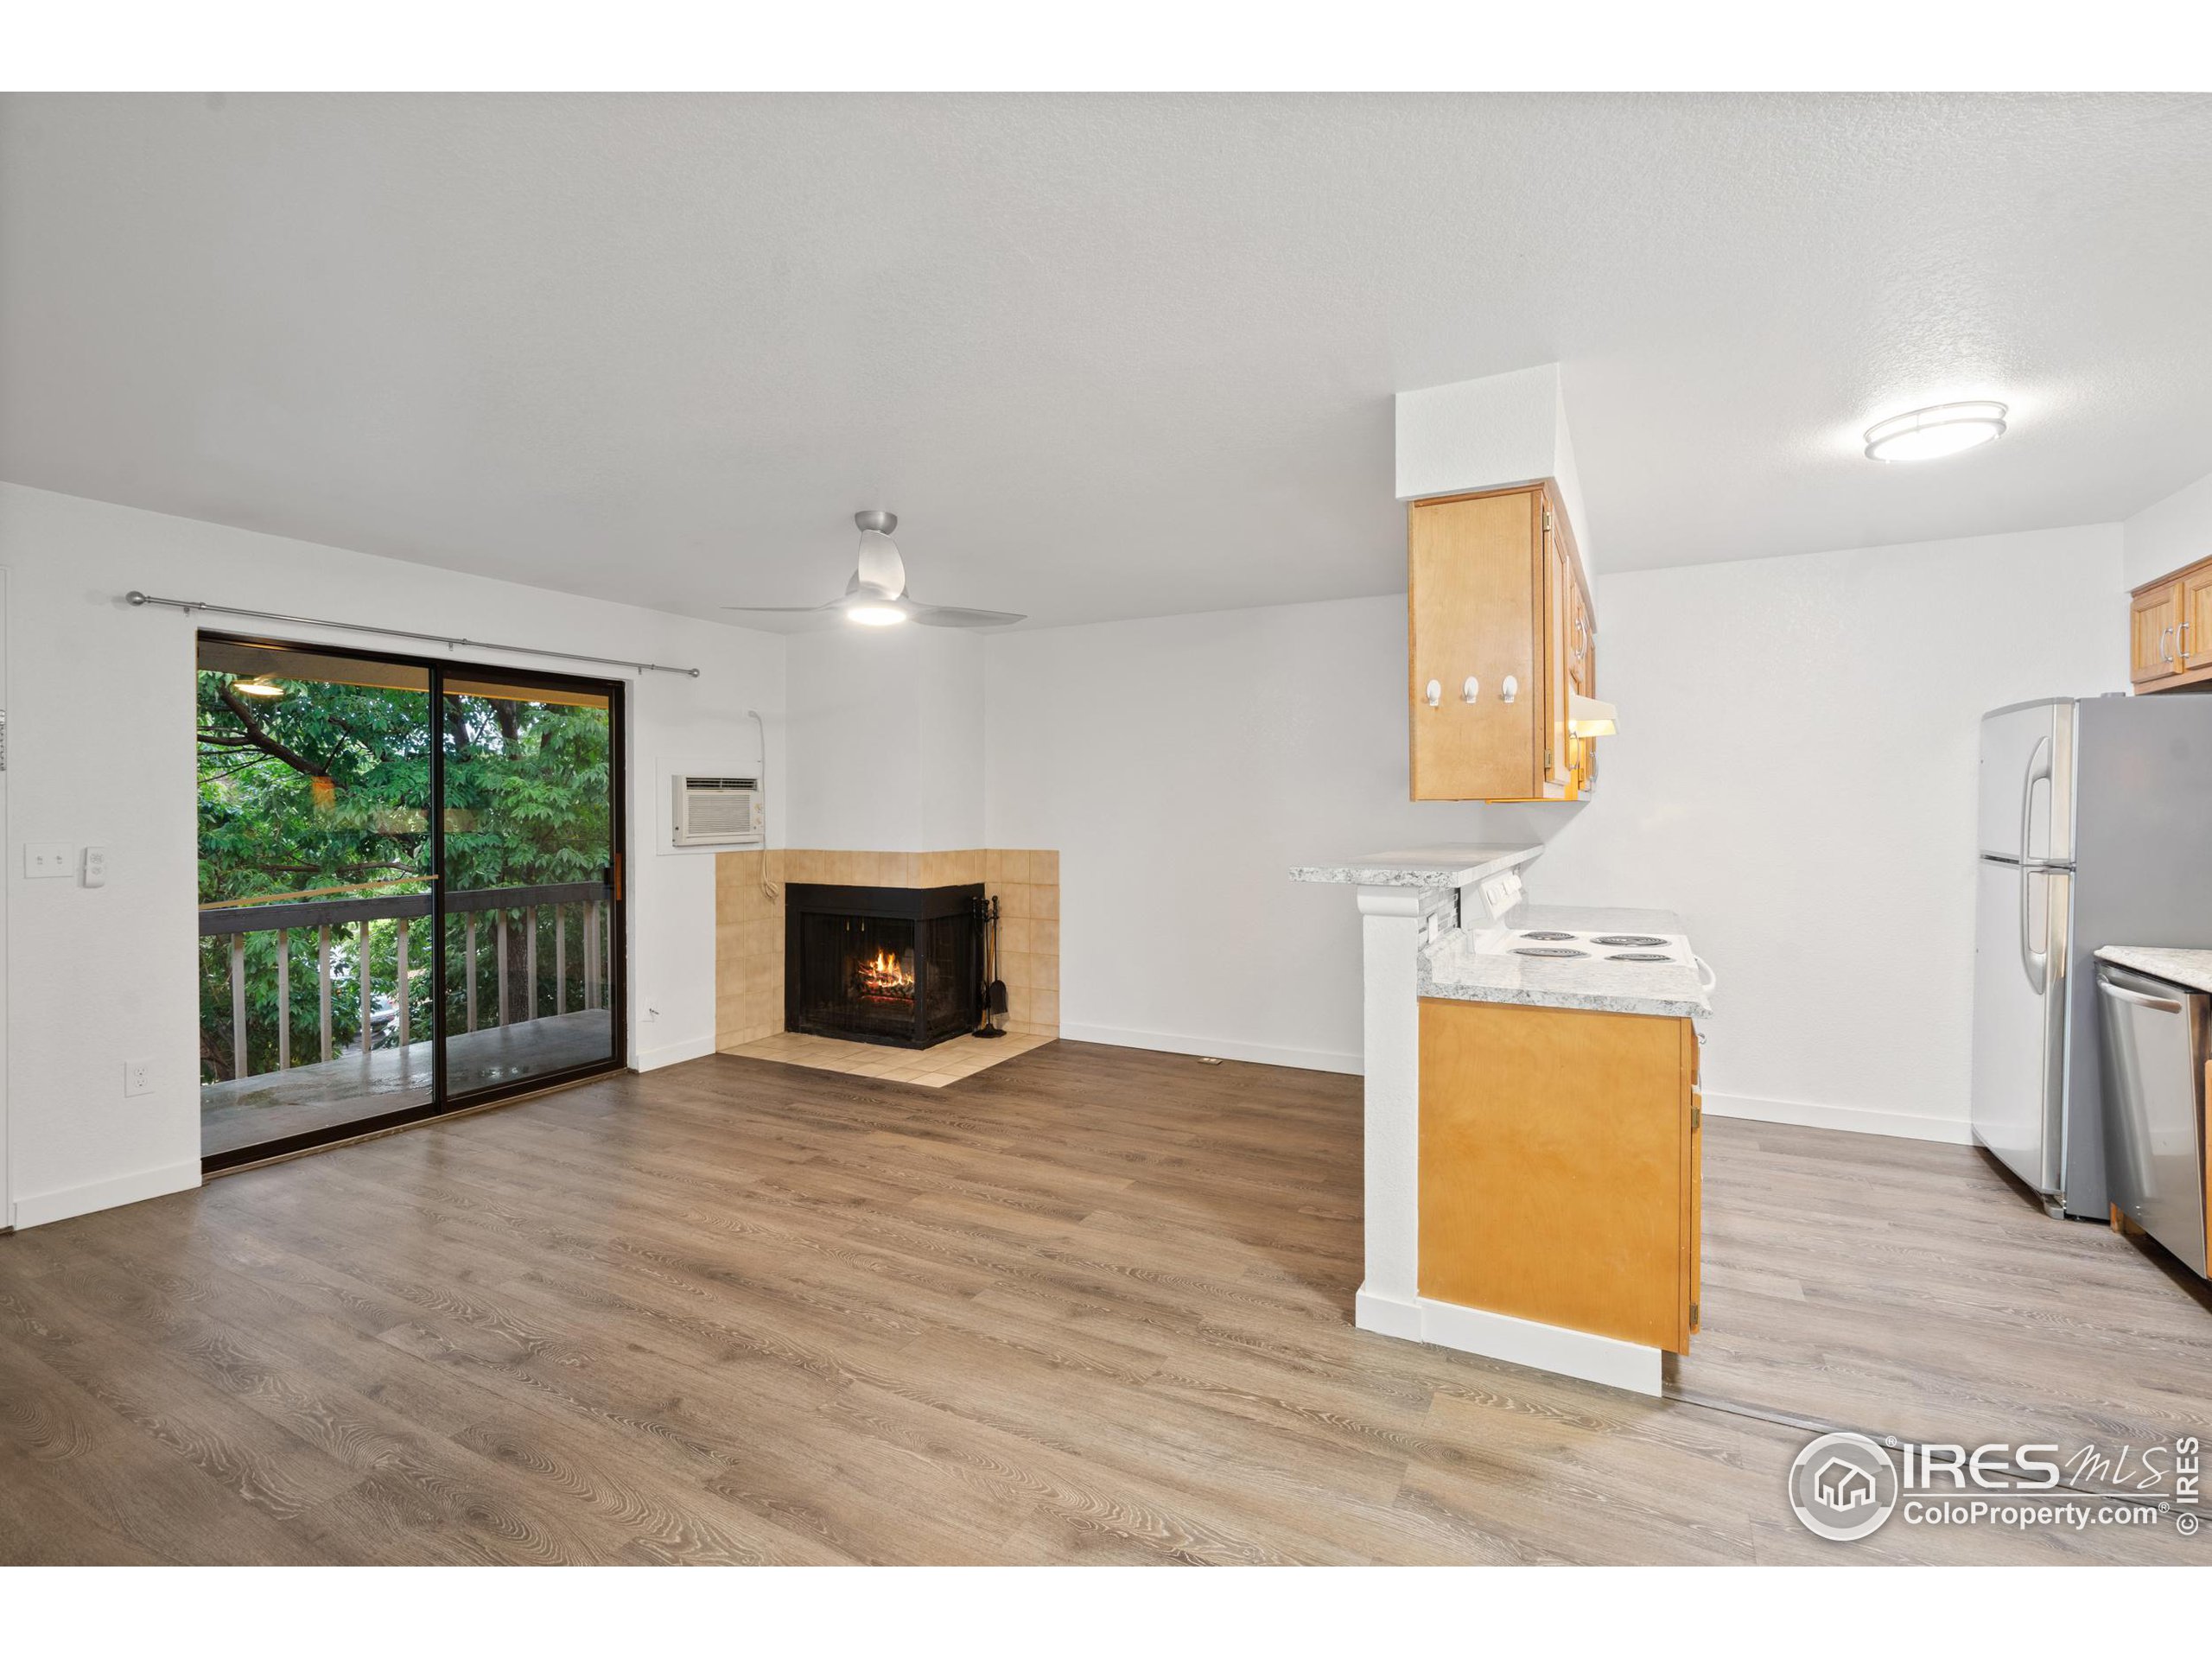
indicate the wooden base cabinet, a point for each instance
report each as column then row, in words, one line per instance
column 1500, row 630
column 1561, row 1160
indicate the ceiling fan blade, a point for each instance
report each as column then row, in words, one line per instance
column 954, row 616
column 783, row 610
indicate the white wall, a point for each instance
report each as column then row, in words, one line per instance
column 886, row 729
column 1482, row 434
column 1823, row 858
column 100, row 734
column 1820, row 850
column 2168, row 534
column 1181, row 765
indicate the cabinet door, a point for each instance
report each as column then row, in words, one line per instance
column 1558, row 584
column 1693, row 1190
column 2194, row 631
column 1471, row 597
column 2153, row 621
column 1580, row 663
column 1552, row 1163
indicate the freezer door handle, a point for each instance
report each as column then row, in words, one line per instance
column 2036, row 962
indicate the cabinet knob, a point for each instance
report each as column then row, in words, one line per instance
column 1433, row 693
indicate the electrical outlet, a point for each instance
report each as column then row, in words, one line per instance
column 95, row 868
column 47, row 858
column 138, row 1077
column 1501, row 893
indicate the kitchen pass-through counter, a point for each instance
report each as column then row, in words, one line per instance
column 1481, row 1063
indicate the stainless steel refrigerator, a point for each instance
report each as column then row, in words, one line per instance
column 2095, row 828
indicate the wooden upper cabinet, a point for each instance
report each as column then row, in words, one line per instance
column 2156, row 616
column 2194, row 634
column 1559, row 611
column 1493, row 590
column 1581, row 643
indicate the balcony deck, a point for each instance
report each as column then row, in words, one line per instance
column 252, row 1111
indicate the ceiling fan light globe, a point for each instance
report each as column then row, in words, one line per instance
column 880, row 567
column 875, row 615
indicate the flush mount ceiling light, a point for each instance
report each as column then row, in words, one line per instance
column 876, row 596
column 1943, row 429
column 257, row 687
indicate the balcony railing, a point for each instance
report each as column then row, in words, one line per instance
column 501, row 913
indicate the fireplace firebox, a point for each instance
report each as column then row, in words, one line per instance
column 896, row 965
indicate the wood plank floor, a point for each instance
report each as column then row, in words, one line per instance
column 1093, row 1304
column 1910, row 1288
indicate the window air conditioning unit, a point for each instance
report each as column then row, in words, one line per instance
column 719, row 812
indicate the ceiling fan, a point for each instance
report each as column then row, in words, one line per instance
column 876, row 596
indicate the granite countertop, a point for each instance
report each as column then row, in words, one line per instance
column 2189, row 968
column 1420, row 866
column 1451, row 969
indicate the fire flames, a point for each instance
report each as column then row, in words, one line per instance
column 883, row 978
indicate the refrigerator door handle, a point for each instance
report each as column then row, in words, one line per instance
column 2035, row 961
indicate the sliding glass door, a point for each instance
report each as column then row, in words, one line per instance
column 528, row 873
column 410, row 890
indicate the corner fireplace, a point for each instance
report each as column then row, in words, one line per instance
column 896, row 965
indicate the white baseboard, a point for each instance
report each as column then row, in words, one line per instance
column 1856, row 1120
column 43, row 1207
column 1303, row 1060
column 1552, row 1348
column 692, row 1048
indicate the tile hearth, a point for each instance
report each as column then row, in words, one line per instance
column 926, row 1068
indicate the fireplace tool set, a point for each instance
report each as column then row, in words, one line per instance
column 993, row 998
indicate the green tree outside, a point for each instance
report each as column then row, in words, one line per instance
column 328, row 785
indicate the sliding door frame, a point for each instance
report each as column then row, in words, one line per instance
column 618, row 972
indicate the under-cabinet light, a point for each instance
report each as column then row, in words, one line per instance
column 1587, row 717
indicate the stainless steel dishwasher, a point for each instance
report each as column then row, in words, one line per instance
column 2154, row 1058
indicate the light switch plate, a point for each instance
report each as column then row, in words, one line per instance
column 48, row 858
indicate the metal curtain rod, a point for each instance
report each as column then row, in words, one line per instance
column 451, row 642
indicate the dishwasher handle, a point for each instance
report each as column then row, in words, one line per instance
column 2162, row 1004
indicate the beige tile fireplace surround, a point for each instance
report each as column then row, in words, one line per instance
column 749, row 933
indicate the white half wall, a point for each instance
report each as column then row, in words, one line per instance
column 2168, row 534
column 1794, row 774
column 101, row 753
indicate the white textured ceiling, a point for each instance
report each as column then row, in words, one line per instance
column 1105, row 356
